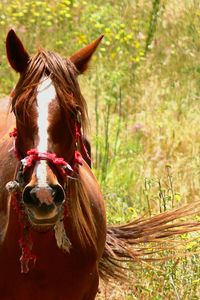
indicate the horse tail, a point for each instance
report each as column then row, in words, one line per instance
column 141, row 239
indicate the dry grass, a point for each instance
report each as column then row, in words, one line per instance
column 157, row 162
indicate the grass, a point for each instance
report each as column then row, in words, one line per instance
column 143, row 92
column 163, row 281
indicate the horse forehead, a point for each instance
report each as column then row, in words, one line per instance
column 46, row 93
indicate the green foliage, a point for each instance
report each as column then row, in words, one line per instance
column 143, row 92
column 65, row 26
column 152, row 24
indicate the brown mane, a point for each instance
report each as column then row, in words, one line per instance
column 63, row 74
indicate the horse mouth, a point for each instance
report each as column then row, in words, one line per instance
column 37, row 219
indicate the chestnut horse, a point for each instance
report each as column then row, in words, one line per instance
column 54, row 242
column 55, row 220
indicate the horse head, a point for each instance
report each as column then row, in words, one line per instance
column 51, row 117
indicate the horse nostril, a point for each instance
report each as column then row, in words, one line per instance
column 29, row 196
column 58, row 194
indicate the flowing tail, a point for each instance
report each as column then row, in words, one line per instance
column 139, row 240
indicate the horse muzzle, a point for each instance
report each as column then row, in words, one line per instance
column 44, row 204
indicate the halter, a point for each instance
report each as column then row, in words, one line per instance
column 63, row 167
column 16, row 187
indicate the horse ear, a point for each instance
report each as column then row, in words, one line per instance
column 83, row 56
column 16, row 53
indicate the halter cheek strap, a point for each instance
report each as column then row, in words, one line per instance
column 13, row 134
column 79, row 139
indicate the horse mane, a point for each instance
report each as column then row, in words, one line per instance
column 81, row 214
column 63, row 74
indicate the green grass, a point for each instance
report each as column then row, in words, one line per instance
column 143, row 92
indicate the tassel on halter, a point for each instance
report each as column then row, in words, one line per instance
column 27, row 256
column 61, row 238
column 25, row 240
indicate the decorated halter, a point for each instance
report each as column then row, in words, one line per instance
column 16, row 187
column 33, row 155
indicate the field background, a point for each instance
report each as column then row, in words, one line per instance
column 143, row 94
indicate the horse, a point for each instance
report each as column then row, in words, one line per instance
column 56, row 215
column 54, row 239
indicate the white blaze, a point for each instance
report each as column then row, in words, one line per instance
column 46, row 93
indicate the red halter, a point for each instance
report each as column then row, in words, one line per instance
column 65, row 170
column 33, row 155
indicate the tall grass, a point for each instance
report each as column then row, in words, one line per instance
column 143, row 93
